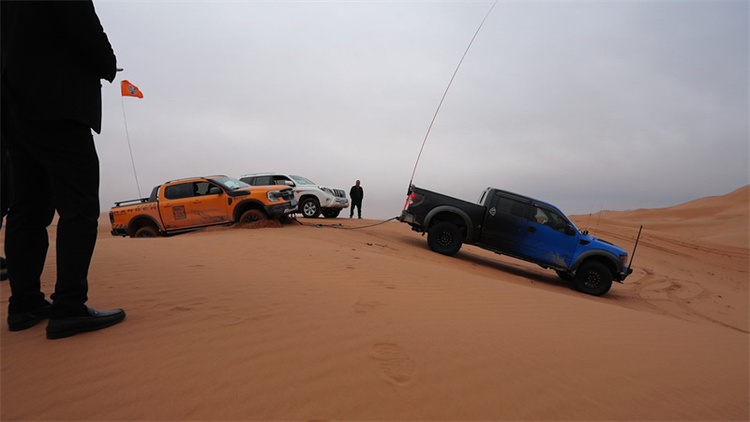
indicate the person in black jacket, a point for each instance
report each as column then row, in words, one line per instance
column 357, row 194
column 54, row 55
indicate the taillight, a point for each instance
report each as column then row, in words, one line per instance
column 111, row 217
column 414, row 198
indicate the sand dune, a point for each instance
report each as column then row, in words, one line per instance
column 366, row 323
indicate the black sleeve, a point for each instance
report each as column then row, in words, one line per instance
column 78, row 20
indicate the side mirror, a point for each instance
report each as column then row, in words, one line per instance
column 570, row 231
column 289, row 183
column 214, row 190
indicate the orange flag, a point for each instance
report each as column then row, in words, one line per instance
column 130, row 90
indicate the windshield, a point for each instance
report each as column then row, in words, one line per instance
column 230, row 184
column 302, row 181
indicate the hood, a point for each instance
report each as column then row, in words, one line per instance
column 603, row 244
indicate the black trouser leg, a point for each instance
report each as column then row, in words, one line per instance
column 55, row 166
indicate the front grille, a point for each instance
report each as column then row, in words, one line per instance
column 339, row 193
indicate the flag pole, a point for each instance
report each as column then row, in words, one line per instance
column 130, row 148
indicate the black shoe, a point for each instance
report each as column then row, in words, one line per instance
column 95, row 320
column 22, row 321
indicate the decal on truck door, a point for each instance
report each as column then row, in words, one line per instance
column 179, row 212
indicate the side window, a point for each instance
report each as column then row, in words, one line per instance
column 512, row 207
column 481, row 198
column 550, row 218
column 540, row 216
column 262, row 181
column 201, row 188
column 280, row 180
column 183, row 190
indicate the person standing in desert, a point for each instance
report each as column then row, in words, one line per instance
column 54, row 55
column 357, row 194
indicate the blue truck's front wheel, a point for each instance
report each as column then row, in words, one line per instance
column 593, row 278
column 445, row 238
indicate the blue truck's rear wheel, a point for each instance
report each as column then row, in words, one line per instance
column 445, row 238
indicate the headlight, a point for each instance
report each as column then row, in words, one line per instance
column 273, row 195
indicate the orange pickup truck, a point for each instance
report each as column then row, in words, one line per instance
column 190, row 204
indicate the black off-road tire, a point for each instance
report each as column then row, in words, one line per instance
column 310, row 208
column 146, row 231
column 445, row 238
column 251, row 216
column 593, row 278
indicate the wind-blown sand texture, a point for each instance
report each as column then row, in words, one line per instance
column 325, row 323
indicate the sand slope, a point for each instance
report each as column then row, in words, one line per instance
column 335, row 323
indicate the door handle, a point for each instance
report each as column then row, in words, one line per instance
column 532, row 229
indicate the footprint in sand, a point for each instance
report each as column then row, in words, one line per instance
column 394, row 363
column 362, row 307
column 389, row 286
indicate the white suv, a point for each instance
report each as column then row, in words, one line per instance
column 313, row 199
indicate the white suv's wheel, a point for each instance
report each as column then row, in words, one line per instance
column 310, row 208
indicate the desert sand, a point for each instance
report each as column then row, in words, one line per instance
column 346, row 320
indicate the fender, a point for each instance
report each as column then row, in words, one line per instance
column 450, row 209
column 146, row 217
column 309, row 195
column 245, row 205
column 613, row 260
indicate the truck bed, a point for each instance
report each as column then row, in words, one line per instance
column 432, row 203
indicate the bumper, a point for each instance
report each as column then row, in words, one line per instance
column 120, row 232
column 406, row 217
column 335, row 202
column 620, row 277
column 625, row 274
column 278, row 210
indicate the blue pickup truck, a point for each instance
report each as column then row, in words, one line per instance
column 519, row 227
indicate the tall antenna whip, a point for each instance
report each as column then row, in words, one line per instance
column 446, row 91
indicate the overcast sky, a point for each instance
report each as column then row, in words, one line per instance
column 588, row 105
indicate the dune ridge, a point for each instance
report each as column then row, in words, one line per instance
column 306, row 322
